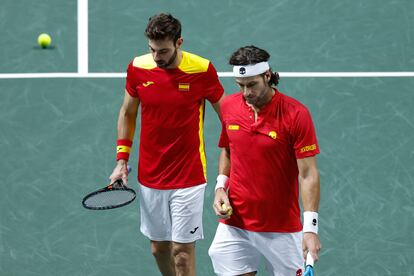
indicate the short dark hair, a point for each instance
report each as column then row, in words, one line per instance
column 162, row 26
column 251, row 55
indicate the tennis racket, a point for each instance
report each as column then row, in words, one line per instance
column 309, row 265
column 114, row 195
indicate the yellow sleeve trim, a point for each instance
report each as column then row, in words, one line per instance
column 192, row 64
column 123, row 149
column 144, row 62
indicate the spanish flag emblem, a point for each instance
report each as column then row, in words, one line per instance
column 184, row 87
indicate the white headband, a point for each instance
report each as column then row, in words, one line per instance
column 244, row 71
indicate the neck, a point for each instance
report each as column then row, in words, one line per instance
column 177, row 60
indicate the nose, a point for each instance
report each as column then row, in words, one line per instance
column 246, row 91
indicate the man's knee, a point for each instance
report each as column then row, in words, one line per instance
column 161, row 249
column 183, row 254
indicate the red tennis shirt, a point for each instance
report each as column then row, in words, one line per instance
column 171, row 153
column 263, row 187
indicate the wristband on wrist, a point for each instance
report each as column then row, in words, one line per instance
column 123, row 148
column 221, row 181
column 310, row 222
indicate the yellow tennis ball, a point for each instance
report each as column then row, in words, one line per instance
column 44, row 40
column 229, row 210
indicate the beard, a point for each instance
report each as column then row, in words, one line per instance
column 164, row 64
column 261, row 99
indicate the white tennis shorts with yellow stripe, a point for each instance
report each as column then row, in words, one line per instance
column 235, row 251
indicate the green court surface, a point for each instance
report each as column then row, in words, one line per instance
column 57, row 136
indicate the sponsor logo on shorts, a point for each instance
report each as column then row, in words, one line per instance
column 308, row 148
column 195, row 229
column 299, row 272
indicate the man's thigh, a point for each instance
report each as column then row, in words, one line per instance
column 187, row 214
column 282, row 252
column 172, row 215
column 232, row 252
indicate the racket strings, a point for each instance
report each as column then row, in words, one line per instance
column 109, row 199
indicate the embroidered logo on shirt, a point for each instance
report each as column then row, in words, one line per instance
column 273, row 134
column 148, row 83
column 234, row 127
column 308, row 148
column 184, row 87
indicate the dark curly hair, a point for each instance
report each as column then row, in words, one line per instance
column 162, row 26
column 251, row 55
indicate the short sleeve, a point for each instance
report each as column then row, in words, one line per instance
column 224, row 139
column 304, row 135
column 131, row 81
column 213, row 90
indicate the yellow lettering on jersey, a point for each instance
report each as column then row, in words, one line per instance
column 234, row 127
column 308, row 148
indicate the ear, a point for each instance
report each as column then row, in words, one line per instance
column 268, row 76
column 179, row 42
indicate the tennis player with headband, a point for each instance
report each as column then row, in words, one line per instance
column 269, row 150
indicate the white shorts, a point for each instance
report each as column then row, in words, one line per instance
column 235, row 251
column 172, row 215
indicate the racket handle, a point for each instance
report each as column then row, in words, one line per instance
column 309, row 259
column 129, row 168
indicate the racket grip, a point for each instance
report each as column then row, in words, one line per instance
column 309, row 259
column 129, row 168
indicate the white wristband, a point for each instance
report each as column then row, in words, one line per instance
column 221, row 181
column 310, row 222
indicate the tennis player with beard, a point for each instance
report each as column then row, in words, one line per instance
column 269, row 150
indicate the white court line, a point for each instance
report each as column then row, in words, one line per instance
column 83, row 62
column 221, row 74
column 83, row 54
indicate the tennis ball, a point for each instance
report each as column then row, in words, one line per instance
column 44, row 40
column 229, row 210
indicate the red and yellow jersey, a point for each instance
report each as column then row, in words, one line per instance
column 171, row 153
column 263, row 186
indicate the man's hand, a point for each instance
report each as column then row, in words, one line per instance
column 222, row 200
column 311, row 244
column 120, row 172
